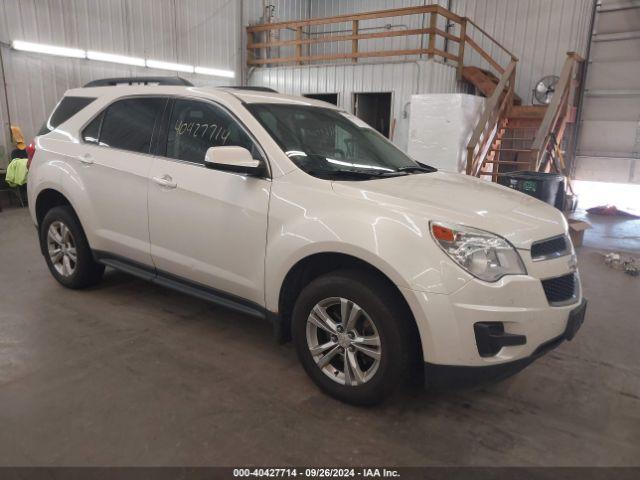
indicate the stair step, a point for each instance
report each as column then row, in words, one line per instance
column 513, row 123
column 506, row 162
column 519, row 139
column 527, row 111
column 511, row 150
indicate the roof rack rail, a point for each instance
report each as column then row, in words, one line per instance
column 110, row 82
column 256, row 89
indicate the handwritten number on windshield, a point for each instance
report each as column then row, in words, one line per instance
column 215, row 133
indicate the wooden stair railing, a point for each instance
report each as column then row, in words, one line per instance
column 525, row 137
column 262, row 51
column 488, row 126
column 561, row 112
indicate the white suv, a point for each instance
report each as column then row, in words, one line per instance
column 294, row 210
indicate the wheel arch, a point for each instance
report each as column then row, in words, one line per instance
column 47, row 199
column 314, row 265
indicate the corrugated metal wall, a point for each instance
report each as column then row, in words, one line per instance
column 402, row 79
column 327, row 8
column 538, row 32
column 201, row 32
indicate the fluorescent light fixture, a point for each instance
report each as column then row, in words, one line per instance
column 110, row 57
column 176, row 67
column 48, row 49
column 122, row 59
column 216, row 72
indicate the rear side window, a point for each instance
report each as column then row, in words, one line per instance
column 128, row 124
column 66, row 109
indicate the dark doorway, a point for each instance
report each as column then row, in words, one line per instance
column 374, row 109
column 325, row 97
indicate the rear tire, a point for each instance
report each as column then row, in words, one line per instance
column 67, row 251
column 352, row 337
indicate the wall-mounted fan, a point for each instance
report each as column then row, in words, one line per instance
column 545, row 88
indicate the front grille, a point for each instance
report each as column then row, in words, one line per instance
column 550, row 248
column 560, row 289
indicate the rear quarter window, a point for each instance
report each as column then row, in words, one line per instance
column 66, row 109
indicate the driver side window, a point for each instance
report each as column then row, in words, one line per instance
column 195, row 126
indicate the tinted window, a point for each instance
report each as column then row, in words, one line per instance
column 92, row 131
column 128, row 124
column 195, row 126
column 66, row 109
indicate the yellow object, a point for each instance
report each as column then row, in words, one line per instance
column 18, row 138
column 17, row 172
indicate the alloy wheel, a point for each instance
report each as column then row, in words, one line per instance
column 343, row 341
column 62, row 248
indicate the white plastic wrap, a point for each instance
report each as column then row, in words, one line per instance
column 440, row 127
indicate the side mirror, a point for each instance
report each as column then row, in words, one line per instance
column 233, row 159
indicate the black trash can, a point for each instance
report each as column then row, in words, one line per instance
column 548, row 187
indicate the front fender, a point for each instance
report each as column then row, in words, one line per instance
column 307, row 217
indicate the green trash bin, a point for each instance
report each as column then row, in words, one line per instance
column 548, row 187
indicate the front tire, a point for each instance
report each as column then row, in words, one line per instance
column 67, row 251
column 351, row 336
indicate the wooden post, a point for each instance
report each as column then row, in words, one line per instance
column 251, row 54
column 463, row 35
column 298, row 45
column 470, row 156
column 433, row 19
column 354, row 43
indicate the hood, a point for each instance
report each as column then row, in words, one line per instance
column 457, row 198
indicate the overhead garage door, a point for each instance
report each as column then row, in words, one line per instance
column 609, row 138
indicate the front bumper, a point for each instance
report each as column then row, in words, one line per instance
column 447, row 322
column 454, row 376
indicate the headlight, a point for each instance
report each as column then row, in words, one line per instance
column 482, row 254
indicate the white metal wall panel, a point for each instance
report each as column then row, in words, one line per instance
column 625, row 49
column 613, row 108
column 618, row 75
column 202, row 32
column 402, row 79
column 609, row 138
column 614, row 19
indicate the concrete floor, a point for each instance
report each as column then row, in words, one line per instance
column 129, row 373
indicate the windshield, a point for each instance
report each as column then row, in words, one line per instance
column 332, row 144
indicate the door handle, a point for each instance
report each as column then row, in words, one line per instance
column 165, row 181
column 86, row 159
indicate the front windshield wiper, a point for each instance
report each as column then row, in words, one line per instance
column 416, row 169
column 355, row 174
